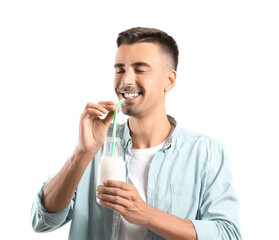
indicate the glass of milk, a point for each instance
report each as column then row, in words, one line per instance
column 111, row 167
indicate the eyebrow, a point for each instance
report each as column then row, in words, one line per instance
column 118, row 65
column 140, row 64
column 136, row 64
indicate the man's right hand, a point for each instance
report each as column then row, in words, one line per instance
column 93, row 129
column 59, row 191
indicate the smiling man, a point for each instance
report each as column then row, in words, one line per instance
column 179, row 183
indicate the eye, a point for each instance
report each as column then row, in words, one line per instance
column 139, row 70
column 119, row 71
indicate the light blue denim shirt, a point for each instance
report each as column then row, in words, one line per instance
column 190, row 177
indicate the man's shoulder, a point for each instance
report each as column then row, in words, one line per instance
column 184, row 136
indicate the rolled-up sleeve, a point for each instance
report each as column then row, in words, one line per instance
column 218, row 217
column 43, row 221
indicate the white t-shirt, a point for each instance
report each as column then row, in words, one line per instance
column 138, row 168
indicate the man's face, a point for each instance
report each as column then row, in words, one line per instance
column 140, row 78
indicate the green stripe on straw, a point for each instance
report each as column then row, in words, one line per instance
column 114, row 126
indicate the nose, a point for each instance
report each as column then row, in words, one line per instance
column 128, row 77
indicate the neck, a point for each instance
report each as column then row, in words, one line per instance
column 150, row 130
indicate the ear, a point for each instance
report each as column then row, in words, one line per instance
column 170, row 80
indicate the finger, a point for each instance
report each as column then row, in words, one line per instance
column 112, row 206
column 113, row 191
column 108, row 119
column 113, row 199
column 107, row 103
column 96, row 106
column 111, row 106
column 104, row 106
column 118, row 184
column 93, row 113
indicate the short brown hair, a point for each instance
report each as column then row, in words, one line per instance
column 139, row 34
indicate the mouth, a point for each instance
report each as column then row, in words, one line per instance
column 130, row 93
column 130, row 96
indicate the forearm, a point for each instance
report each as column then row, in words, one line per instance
column 169, row 226
column 59, row 191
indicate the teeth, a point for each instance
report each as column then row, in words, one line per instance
column 130, row 95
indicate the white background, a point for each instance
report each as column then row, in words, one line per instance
column 55, row 56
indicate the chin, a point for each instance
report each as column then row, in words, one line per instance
column 131, row 112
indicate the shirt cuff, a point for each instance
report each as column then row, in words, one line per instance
column 50, row 219
column 206, row 230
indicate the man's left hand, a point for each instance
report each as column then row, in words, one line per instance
column 124, row 198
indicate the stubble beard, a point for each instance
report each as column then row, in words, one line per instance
column 130, row 110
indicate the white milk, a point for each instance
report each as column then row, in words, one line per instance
column 110, row 168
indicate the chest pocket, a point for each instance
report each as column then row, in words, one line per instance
column 185, row 199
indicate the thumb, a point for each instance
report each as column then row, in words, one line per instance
column 108, row 119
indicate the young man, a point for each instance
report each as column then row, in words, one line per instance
column 179, row 183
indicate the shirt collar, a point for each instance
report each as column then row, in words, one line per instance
column 127, row 136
